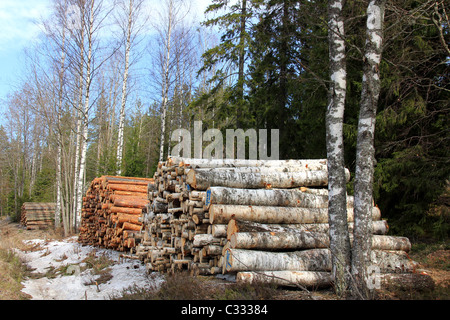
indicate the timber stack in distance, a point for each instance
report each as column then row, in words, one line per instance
column 38, row 215
column 112, row 212
column 260, row 220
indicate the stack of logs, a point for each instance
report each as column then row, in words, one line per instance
column 254, row 218
column 112, row 212
column 38, row 215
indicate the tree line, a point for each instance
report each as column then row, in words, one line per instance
column 110, row 80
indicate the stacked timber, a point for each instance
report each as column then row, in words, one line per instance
column 265, row 220
column 38, row 215
column 112, row 212
column 184, row 231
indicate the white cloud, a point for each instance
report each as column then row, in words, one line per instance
column 19, row 21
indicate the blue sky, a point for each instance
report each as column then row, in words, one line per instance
column 19, row 28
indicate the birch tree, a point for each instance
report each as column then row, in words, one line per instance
column 169, row 20
column 130, row 29
column 339, row 238
column 365, row 152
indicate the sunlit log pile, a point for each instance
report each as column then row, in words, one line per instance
column 38, row 215
column 112, row 212
column 256, row 219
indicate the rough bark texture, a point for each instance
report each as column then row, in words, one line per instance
column 365, row 153
column 300, row 279
column 267, row 197
column 202, row 180
column 340, row 244
column 219, row 213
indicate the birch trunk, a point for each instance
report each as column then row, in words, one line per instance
column 84, row 135
column 124, row 92
column 340, row 244
column 220, row 214
column 365, row 152
column 165, row 76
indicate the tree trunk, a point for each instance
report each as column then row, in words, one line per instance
column 340, row 244
column 124, row 94
column 365, row 152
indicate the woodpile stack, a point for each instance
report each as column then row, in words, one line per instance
column 38, row 215
column 112, row 212
column 258, row 219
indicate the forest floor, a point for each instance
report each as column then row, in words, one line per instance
column 40, row 265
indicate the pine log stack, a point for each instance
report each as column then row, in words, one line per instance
column 261, row 220
column 38, row 215
column 112, row 212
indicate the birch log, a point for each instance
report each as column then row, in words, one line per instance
column 221, row 214
column 311, row 164
column 316, row 279
column 379, row 227
column 308, row 260
column 268, row 197
column 202, row 180
column 306, row 240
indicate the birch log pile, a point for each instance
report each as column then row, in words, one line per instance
column 112, row 212
column 38, row 215
column 257, row 219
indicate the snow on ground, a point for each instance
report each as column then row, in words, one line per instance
column 76, row 284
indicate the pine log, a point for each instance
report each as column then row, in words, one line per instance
column 268, row 197
column 131, row 203
column 132, row 226
column 202, row 180
column 222, row 214
column 128, row 187
column 114, row 209
column 308, row 279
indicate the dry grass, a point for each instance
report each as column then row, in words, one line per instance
column 12, row 269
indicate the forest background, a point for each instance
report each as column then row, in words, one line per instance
column 102, row 94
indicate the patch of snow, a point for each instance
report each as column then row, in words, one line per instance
column 78, row 285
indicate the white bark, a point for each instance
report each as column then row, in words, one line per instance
column 300, row 279
column 124, row 91
column 267, row 197
column 306, row 240
column 340, row 245
column 365, row 152
column 221, row 214
column 308, row 260
column 202, row 180
column 306, row 164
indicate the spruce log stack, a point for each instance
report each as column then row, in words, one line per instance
column 265, row 220
column 112, row 212
column 38, row 215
